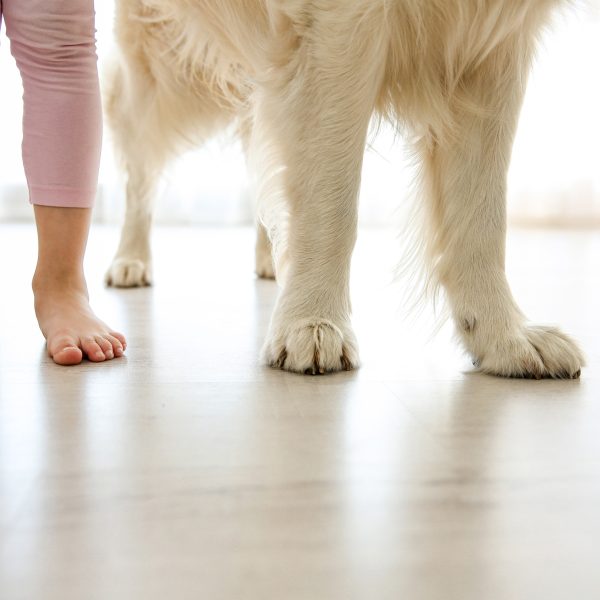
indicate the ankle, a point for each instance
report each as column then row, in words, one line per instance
column 63, row 280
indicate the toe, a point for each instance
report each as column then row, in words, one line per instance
column 121, row 338
column 71, row 355
column 92, row 350
column 117, row 346
column 65, row 351
column 106, row 346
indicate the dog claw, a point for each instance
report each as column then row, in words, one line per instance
column 346, row 363
column 280, row 362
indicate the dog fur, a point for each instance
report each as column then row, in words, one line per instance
column 303, row 79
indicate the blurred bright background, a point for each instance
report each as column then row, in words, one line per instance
column 554, row 179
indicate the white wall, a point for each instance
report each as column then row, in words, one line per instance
column 555, row 175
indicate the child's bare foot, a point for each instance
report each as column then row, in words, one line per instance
column 71, row 329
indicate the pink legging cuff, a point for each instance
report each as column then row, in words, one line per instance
column 53, row 42
column 48, row 196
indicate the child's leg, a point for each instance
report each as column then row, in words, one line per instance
column 54, row 47
column 61, row 300
column 53, row 43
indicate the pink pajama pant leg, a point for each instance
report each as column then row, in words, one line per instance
column 53, row 42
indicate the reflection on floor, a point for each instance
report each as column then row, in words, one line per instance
column 188, row 470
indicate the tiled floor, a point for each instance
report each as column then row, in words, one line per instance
column 189, row 471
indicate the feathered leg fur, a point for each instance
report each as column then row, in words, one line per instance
column 321, row 143
column 465, row 168
column 304, row 78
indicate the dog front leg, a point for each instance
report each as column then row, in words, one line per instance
column 318, row 117
column 465, row 172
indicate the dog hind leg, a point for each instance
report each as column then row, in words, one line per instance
column 155, row 114
column 264, row 254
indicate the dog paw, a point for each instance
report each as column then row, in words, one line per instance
column 263, row 255
column 312, row 347
column 264, row 265
column 535, row 353
column 128, row 272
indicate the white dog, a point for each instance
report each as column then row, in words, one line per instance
column 303, row 79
